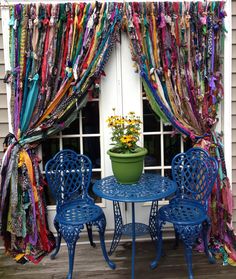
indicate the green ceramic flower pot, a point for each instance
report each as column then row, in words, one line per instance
column 127, row 168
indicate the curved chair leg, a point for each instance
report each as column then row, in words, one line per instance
column 101, row 224
column 90, row 234
column 71, row 255
column 70, row 235
column 176, row 244
column 189, row 235
column 58, row 241
column 205, row 228
column 188, row 257
column 159, row 243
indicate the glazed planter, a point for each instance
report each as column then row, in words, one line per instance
column 127, row 168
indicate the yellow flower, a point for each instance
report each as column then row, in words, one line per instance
column 125, row 131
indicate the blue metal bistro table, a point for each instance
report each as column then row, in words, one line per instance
column 150, row 187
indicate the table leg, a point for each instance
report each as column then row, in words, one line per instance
column 153, row 221
column 133, row 240
column 118, row 227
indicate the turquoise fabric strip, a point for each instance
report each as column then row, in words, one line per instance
column 30, row 103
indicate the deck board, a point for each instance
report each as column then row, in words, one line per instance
column 89, row 263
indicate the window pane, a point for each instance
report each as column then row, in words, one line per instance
column 187, row 144
column 71, row 143
column 151, row 122
column 152, row 143
column 92, row 150
column 171, row 148
column 49, row 148
column 73, row 128
column 167, row 127
column 90, row 116
column 95, row 177
column 48, row 195
column 168, row 173
column 157, row 171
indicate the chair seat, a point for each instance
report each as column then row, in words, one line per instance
column 183, row 212
column 78, row 213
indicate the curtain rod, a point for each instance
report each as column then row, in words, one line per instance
column 74, row 1
column 8, row 5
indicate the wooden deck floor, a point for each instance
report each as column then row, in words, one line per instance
column 89, row 263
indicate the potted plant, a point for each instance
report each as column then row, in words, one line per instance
column 126, row 156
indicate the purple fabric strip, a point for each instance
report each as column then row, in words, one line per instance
column 191, row 97
column 17, row 45
column 212, row 81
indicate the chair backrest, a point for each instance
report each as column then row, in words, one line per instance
column 195, row 173
column 68, row 175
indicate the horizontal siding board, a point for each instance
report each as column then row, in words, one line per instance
column 3, row 101
column 3, row 89
column 4, row 130
column 234, row 80
column 2, row 71
column 234, row 189
column 233, row 36
column 234, row 162
column 234, row 150
column 1, row 41
column 233, row 7
column 234, row 136
column 234, row 51
column 1, row 155
column 1, row 56
column 233, row 121
column 234, row 107
column 234, row 94
column 234, row 22
column 3, row 116
column 234, row 176
column 1, row 144
column 234, row 66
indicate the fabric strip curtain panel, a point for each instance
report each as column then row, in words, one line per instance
column 178, row 50
column 58, row 53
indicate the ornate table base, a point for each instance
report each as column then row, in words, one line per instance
column 150, row 187
column 133, row 229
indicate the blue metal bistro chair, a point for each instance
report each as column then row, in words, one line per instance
column 68, row 175
column 195, row 173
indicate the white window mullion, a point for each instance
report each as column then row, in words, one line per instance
column 60, row 141
column 162, row 149
column 81, row 132
column 181, row 144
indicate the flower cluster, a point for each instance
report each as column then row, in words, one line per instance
column 125, row 132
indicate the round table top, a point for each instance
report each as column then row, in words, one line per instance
column 150, row 187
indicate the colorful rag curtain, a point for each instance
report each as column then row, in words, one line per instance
column 57, row 54
column 178, row 50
